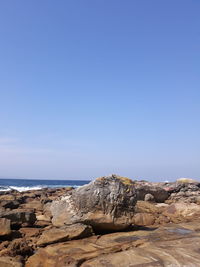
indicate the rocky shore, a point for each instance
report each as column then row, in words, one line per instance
column 112, row 221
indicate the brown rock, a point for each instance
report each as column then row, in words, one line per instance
column 36, row 205
column 180, row 211
column 168, row 246
column 4, row 227
column 30, row 232
column 17, row 247
column 10, row 262
column 144, row 219
column 7, row 197
column 65, row 233
column 146, row 207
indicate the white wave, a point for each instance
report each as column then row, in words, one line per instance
column 20, row 188
column 25, row 188
column 4, row 189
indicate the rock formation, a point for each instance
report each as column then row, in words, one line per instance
column 106, row 203
column 80, row 227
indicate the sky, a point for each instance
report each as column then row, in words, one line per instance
column 89, row 88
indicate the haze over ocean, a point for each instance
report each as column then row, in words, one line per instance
column 90, row 88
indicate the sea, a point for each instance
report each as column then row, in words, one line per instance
column 34, row 184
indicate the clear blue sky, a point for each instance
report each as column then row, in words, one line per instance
column 89, row 88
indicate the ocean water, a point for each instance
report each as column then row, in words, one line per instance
column 34, row 184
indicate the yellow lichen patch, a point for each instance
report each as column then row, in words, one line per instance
column 186, row 180
column 125, row 180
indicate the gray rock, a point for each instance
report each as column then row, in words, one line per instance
column 159, row 194
column 149, row 197
column 106, row 203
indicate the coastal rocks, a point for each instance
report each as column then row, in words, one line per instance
column 144, row 219
column 186, row 180
column 19, row 216
column 180, row 211
column 29, row 232
column 10, row 262
column 178, row 253
column 64, row 233
column 150, row 192
column 17, row 248
column 168, row 246
column 4, row 227
column 149, row 197
column 106, row 203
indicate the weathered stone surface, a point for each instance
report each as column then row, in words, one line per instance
column 144, row 219
column 146, row 207
column 18, row 247
column 30, row 232
column 168, row 246
column 54, row 235
column 19, row 216
column 186, row 180
column 159, row 194
column 36, row 205
column 10, row 262
column 149, row 197
column 178, row 253
column 180, row 211
column 106, row 203
column 9, row 204
column 4, row 227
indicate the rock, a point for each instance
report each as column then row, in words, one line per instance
column 18, row 247
column 64, row 233
column 186, row 180
column 4, row 227
column 149, row 197
column 10, row 262
column 19, row 216
column 159, row 194
column 144, row 219
column 106, row 203
column 29, row 232
column 9, row 197
column 42, row 224
column 36, row 205
column 181, row 211
column 42, row 217
column 9, row 204
column 178, row 253
column 146, row 207
column 167, row 246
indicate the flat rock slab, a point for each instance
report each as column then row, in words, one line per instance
column 65, row 233
column 167, row 246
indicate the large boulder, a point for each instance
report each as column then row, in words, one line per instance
column 106, row 203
